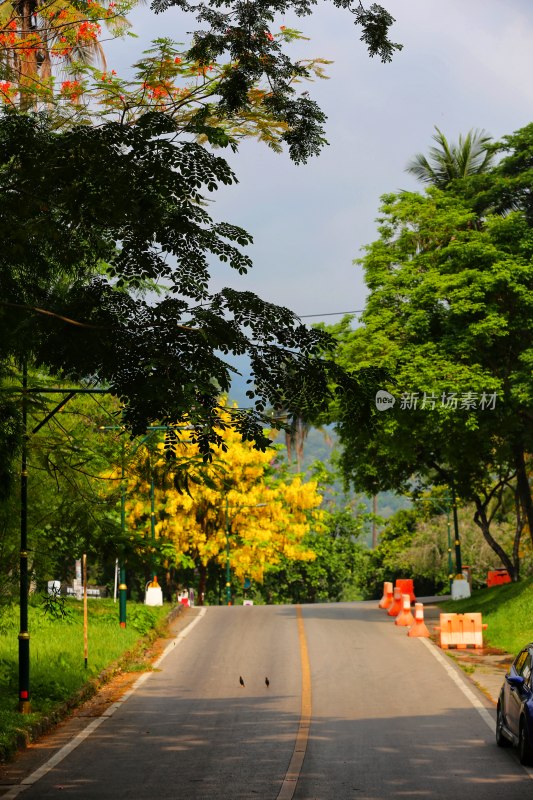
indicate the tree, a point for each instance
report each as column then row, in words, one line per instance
column 39, row 38
column 118, row 210
column 448, row 318
column 333, row 575
column 130, row 197
column 414, row 543
column 235, row 502
column 449, row 162
column 165, row 79
column 72, row 509
column 243, row 33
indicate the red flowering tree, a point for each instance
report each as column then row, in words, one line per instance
column 39, row 38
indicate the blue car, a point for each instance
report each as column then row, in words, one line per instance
column 514, row 723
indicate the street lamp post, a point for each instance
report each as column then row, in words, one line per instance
column 24, row 583
column 458, row 559
column 450, row 562
column 228, row 575
column 459, row 587
column 122, row 586
column 24, row 636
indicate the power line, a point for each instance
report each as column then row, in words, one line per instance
column 332, row 313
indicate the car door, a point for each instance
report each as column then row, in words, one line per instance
column 515, row 695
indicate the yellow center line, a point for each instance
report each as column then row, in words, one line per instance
column 290, row 781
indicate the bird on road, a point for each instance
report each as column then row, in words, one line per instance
column 267, row 682
column 241, row 680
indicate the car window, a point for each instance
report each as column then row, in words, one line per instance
column 526, row 669
column 520, row 661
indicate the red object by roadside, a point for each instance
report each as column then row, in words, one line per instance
column 496, row 577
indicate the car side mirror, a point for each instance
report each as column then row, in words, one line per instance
column 515, row 681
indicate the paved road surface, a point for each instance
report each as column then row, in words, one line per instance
column 388, row 719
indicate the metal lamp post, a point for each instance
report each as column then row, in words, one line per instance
column 24, row 635
column 451, row 504
column 458, row 559
column 228, row 575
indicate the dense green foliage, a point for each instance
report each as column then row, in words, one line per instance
column 130, row 197
column 94, row 216
column 448, row 321
column 419, row 543
column 332, row 576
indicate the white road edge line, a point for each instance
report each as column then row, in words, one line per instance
column 476, row 702
column 68, row 748
column 468, row 693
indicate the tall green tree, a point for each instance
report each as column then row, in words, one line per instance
column 334, row 573
column 111, row 211
column 93, row 218
column 449, row 319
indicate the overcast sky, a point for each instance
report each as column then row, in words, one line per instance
column 464, row 65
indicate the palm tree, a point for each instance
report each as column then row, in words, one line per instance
column 446, row 162
column 41, row 37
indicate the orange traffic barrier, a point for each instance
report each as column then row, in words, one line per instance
column 386, row 600
column 496, row 577
column 406, row 586
column 419, row 628
column 396, row 605
column 405, row 617
column 461, row 631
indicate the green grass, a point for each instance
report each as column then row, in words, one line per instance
column 57, row 670
column 507, row 610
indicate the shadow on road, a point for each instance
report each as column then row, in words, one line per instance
column 202, row 748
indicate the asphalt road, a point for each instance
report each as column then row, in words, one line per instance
column 388, row 719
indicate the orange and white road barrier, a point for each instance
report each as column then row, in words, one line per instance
column 388, row 595
column 406, row 586
column 405, row 617
column 461, row 630
column 419, row 628
column 396, row 606
column 496, row 577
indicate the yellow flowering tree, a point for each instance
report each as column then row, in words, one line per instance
column 238, row 510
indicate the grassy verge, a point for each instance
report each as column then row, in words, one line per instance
column 58, row 678
column 507, row 610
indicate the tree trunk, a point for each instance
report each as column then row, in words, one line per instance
column 520, row 521
column 27, row 59
column 481, row 520
column 523, row 487
column 202, row 583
